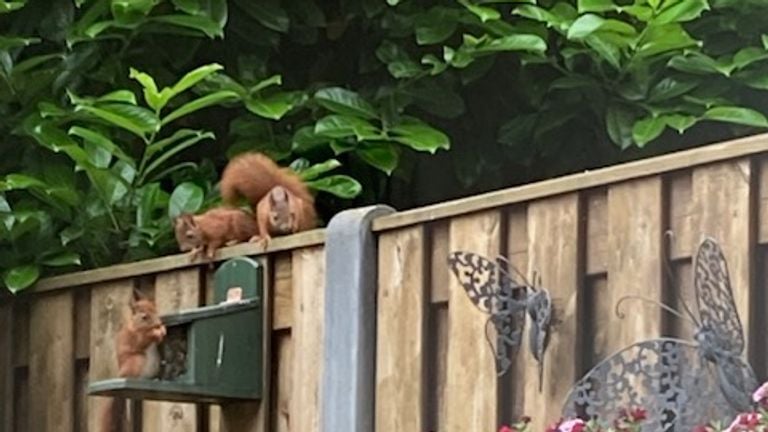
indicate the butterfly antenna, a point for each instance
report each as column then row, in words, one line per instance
column 668, row 235
column 657, row 303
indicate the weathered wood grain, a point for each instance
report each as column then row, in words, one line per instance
column 51, row 363
column 470, row 388
column 307, row 335
column 553, row 235
column 401, row 304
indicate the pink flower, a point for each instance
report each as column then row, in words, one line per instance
column 505, row 428
column 573, row 425
column 761, row 393
column 744, row 422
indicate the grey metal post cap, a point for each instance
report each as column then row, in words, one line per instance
column 350, row 321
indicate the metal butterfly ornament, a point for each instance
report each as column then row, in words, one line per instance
column 680, row 383
column 493, row 290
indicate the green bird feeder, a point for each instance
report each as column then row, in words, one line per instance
column 210, row 354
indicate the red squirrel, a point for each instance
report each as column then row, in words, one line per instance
column 281, row 202
column 282, row 213
column 213, row 229
column 137, row 354
column 252, row 175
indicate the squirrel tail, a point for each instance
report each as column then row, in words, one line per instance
column 113, row 415
column 252, row 175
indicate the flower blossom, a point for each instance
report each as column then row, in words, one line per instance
column 760, row 395
column 744, row 422
column 573, row 425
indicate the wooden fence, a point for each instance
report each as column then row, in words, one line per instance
column 593, row 238
column 58, row 337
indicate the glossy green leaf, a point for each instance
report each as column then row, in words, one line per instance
column 647, row 130
column 595, row 5
column 209, row 27
column 316, row 170
column 436, row 26
column 97, row 139
column 186, row 198
column 175, row 149
column 420, row 136
column 340, row 126
column 151, row 94
column 197, row 104
column 347, row 102
column 738, row 115
column 137, row 120
column 482, row 12
column 681, row 11
column 18, row 278
column 63, row 259
column 679, row 122
column 70, row 234
column 10, row 6
column 266, row 83
column 664, row 38
column 340, row 185
column 518, row 42
column 275, row 106
column 587, row 24
column 177, row 136
column 10, row 42
column 380, row 155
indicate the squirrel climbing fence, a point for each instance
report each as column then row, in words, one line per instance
column 391, row 342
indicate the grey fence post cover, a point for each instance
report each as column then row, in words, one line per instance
column 347, row 398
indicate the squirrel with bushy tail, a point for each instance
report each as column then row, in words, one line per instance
column 280, row 204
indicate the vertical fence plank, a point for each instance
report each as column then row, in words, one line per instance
column 439, row 282
column 762, row 196
column 513, row 384
column 282, row 317
column 282, row 320
column 81, row 396
column 597, row 232
column 283, row 384
column 307, row 334
column 721, row 193
column 400, row 331
column 21, row 401
column 470, row 388
column 6, row 367
column 51, row 362
column 553, row 235
column 173, row 291
column 634, row 261
column 109, row 307
column 682, row 215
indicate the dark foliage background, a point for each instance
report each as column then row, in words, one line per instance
column 118, row 114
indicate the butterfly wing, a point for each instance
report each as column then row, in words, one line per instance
column 667, row 377
column 714, row 299
column 494, row 292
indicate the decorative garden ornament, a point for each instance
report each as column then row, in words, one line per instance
column 493, row 290
column 680, row 383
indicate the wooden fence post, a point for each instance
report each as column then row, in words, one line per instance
column 347, row 403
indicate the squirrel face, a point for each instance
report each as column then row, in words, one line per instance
column 144, row 316
column 280, row 215
column 188, row 235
